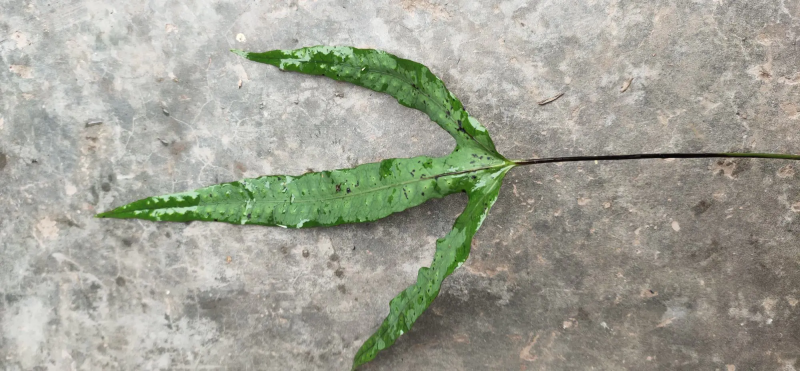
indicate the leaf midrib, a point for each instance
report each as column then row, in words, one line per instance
column 355, row 194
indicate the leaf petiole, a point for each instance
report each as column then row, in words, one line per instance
column 642, row 156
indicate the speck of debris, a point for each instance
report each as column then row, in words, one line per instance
column 786, row 172
column 626, row 85
column 550, row 100
column 648, row 293
column 91, row 123
column 305, row 253
column 701, row 207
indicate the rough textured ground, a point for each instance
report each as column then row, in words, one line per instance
column 658, row 265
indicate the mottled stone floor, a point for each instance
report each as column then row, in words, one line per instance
column 648, row 265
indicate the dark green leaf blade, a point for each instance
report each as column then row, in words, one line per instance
column 451, row 252
column 365, row 193
column 411, row 83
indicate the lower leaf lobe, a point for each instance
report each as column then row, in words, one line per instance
column 451, row 252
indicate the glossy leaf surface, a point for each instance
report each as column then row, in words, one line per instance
column 412, row 84
column 367, row 192
column 451, row 252
column 361, row 194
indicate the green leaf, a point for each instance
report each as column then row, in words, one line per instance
column 365, row 193
column 372, row 191
column 451, row 252
column 412, row 84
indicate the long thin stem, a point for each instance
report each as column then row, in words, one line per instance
column 642, row 156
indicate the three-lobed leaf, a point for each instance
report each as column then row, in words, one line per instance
column 367, row 192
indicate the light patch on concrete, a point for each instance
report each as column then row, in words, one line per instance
column 21, row 70
column 742, row 312
column 47, row 228
column 240, row 72
column 769, row 306
column 786, row 172
column 761, row 72
column 25, row 326
column 20, row 39
column 381, row 30
column 725, row 166
column 70, row 189
column 206, row 155
column 435, row 10
column 676, row 226
column 793, row 79
column 525, row 354
column 177, row 338
column 791, row 109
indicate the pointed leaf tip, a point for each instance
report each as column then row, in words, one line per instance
column 241, row 53
column 103, row 215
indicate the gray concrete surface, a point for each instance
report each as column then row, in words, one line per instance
column 650, row 265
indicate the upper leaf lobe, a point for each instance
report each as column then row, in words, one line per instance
column 411, row 83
